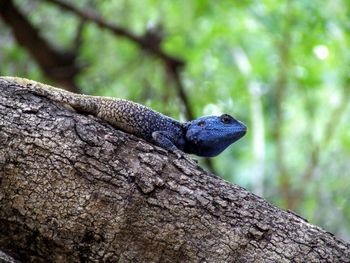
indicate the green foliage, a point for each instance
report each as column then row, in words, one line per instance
column 281, row 67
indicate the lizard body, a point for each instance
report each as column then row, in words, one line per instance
column 206, row 136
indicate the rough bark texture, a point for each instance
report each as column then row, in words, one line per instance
column 4, row 258
column 74, row 189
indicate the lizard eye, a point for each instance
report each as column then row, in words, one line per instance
column 225, row 118
column 201, row 123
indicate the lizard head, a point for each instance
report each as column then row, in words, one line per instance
column 210, row 135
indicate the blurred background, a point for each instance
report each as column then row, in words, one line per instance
column 282, row 67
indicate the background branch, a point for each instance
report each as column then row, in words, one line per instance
column 58, row 65
column 149, row 42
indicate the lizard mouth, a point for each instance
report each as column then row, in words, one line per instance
column 235, row 135
column 240, row 131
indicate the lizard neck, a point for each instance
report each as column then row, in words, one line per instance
column 181, row 142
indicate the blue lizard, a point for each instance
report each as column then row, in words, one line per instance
column 206, row 136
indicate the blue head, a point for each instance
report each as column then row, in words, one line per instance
column 208, row 136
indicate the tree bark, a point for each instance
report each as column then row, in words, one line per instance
column 4, row 258
column 75, row 189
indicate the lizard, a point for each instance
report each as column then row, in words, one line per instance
column 205, row 136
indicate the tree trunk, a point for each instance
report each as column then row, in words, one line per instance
column 75, row 189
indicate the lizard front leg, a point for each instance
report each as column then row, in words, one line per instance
column 162, row 139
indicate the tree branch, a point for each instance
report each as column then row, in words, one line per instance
column 58, row 65
column 142, row 41
column 75, row 189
